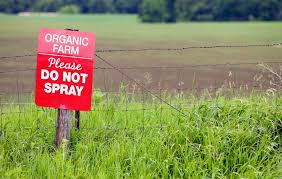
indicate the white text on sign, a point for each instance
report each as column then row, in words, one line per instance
column 67, row 77
column 66, row 44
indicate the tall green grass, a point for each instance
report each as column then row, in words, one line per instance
column 135, row 137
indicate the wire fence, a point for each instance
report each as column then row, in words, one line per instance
column 123, row 114
column 142, row 91
column 192, row 77
column 165, row 49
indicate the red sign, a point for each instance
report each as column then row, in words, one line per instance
column 64, row 71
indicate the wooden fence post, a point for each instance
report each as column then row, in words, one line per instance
column 63, row 126
column 63, row 123
column 77, row 119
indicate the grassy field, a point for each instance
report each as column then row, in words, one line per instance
column 18, row 36
column 219, row 138
column 136, row 136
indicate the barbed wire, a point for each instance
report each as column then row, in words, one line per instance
column 107, row 128
column 7, row 112
column 139, row 84
column 17, row 56
column 192, row 66
column 119, row 69
column 249, row 86
column 189, row 48
column 164, row 49
column 161, row 67
column 20, row 109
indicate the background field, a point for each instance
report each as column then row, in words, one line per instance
column 232, row 131
column 124, row 31
column 18, row 36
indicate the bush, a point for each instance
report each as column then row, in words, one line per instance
column 69, row 9
column 154, row 11
column 101, row 6
column 46, row 6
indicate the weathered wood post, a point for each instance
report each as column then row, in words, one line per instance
column 63, row 123
column 63, row 126
column 77, row 119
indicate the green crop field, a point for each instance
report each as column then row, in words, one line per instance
column 18, row 36
column 231, row 130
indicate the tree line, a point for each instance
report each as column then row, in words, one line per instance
column 210, row 10
column 158, row 10
column 85, row 6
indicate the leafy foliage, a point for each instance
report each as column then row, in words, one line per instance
column 153, row 11
column 227, row 10
column 161, row 10
column 69, row 9
column 127, row 6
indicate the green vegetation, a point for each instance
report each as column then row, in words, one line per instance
column 161, row 10
column 19, row 34
column 233, row 138
column 86, row 6
column 153, row 11
column 237, row 137
column 70, row 9
column 115, row 27
column 157, row 11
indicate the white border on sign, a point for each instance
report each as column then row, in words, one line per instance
column 65, row 56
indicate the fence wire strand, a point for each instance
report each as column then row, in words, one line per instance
column 160, row 67
column 189, row 48
column 139, row 84
column 158, row 94
column 166, row 49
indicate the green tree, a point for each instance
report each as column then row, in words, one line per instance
column 101, row 6
column 195, row 10
column 69, row 9
column 160, row 10
column 170, row 5
column 7, row 6
column 156, row 11
column 231, row 10
column 127, row 6
column 47, row 5
column 183, row 10
column 15, row 6
column 269, row 10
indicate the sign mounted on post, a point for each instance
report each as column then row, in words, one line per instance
column 64, row 70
